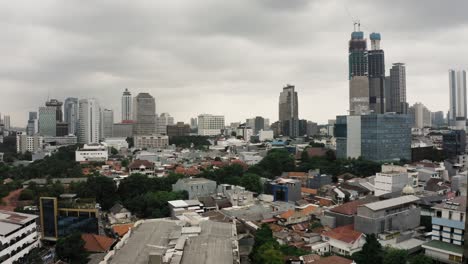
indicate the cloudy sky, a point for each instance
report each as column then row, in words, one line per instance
column 219, row 57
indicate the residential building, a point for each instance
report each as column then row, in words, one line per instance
column 286, row 190
column 119, row 214
column 237, row 195
column 437, row 119
column 26, row 143
column 179, row 129
column 376, row 60
column 107, row 123
column 344, row 214
column 127, row 105
column 180, row 207
column 92, row 152
column 454, row 143
column 312, row 129
column 18, row 236
column 33, row 124
column 296, row 216
column 421, row 116
column 210, row 125
column 144, row 114
column 264, row 135
column 195, row 187
column 123, row 129
column 397, row 214
column 377, row 137
column 142, row 167
column 116, row 142
column 457, row 113
column 47, row 121
column 448, row 230
column 389, row 181
column 288, row 112
column 58, row 108
column 397, row 89
column 71, row 115
column 7, row 122
column 344, row 240
column 150, row 141
column 89, row 121
column 193, row 122
column 162, row 122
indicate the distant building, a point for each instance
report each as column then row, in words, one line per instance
column 312, row 129
column 437, row 119
column 58, row 108
column 420, row 115
column 448, row 228
column 458, row 111
column 195, row 187
column 454, row 143
column 210, row 125
column 26, row 143
column 286, row 190
column 7, row 122
column 378, row 137
column 150, row 141
column 123, row 130
column 61, row 129
column 90, row 121
column 92, row 152
column 376, row 60
column 389, row 182
column 127, row 105
column 258, row 123
column 397, row 214
column 33, row 124
column 144, row 114
column 107, row 123
column 179, row 129
column 288, row 112
column 18, row 236
column 71, row 115
column 116, row 142
column 397, row 89
column 61, row 141
column 47, row 121
column 264, row 135
column 358, row 74
column 162, row 121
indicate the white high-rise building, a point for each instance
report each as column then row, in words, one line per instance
column 457, row 112
column 90, row 121
column 107, row 123
column 210, row 125
column 47, row 121
column 6, row 122
column 162, row 121
column 421, row 116
column 126, row 105
column 71, row 114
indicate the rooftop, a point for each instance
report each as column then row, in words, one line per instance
column 350, row 208
column 435, row 244
column 11, row 221
column 97, row 243
column 391, row 202
column 343, row 233
column 456, row 204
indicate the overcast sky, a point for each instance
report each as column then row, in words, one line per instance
column 219, row 57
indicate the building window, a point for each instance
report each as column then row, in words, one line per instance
column 439, row 214
column 461, row 216
column 450, row 215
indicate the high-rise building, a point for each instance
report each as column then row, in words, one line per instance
column 420, row 115
column 107, row 123
column 144, row 114
column 6, row 122
column 179, row 129
column 89, row 129
column 58, row 108
column 312, row 129
column 377, row 137
column 258, row 123
column 437, row 119
column 71, row 114
column 457, row 112
column 397, row 88
column 47, row 121
column 193, row 122
column 33, row 125
column 376, row 59
column 126, row 105
column 26, row 143
column 288, row 112
column 162, row 121
column 358, row 74
column 210, row 125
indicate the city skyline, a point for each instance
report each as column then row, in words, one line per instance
column 242, row 69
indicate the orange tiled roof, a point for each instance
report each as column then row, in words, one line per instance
column 306, row 211
column 121, row 230
column 346, row 234
column 296, row 174
column 96, row 243
column 309, row 191
column 333, row 260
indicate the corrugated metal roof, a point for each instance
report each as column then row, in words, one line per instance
column 391, row 202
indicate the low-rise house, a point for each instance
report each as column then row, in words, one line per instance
column 142, row 167
column 296, row 216
column 344, row 240
column 438, row 186
column 344, row 214
column 179, row 207
column 237, row 195
column 92, row 152
column 119, row 214
column 96, row 243
column 286, row 190
column 195, row 187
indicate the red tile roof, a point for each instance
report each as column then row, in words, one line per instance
column 96, row 243
column 350, row 208
column 137, row 163
column 309, row 191
column 343, row 233
column 306, row 211
column 121, row 230
column 333, row 260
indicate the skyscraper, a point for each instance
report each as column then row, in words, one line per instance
column 47, row 121
column 358, row 74
column 144, row 114
column 162, row 121
column 420, row 115
column 71, row 114
column 210, row 125
column 457, row 112
column 107, row 123
column 58, row 108
column 126, row 105
column 89, row 121
column 33, row 125
column 397, row 87
column 288, row 112
column 6, row 122
column 376, row 59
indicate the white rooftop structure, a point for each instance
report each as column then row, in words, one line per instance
column 380, row 205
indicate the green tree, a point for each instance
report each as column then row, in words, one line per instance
column 114, row 151
column 371, row 252
column 420, row 259
column 71, row 249
column 393, row 255
column 251, row 182
column 304, row 156
column 125, row 163
column 26, row 194
column 101, row 188
column 276, row 162
column 268, row 254
column 33, row 257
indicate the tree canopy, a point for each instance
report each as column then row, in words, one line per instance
column 71, row 249
column 371, row 252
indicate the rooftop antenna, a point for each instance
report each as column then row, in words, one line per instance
column 358, row 24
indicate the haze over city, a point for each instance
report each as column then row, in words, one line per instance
column 229, row 58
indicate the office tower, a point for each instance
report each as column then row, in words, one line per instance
column 358, row 74
column 179, row 129
column 457, row 112
column 397, row 88
column 89, row 115
column 33, row 125
column 126, row 105
column 376, row 59
column 257, row 123
column 302, row 127
column 107, row 123
column 377, row 137
column 162, row 122
column 6, row 122
column 144, row 114
column 71, row 114
column 210, row 125
column 420, row 116
column 312, row 129
column 288, row 112
column 61, row 129
column 47, row 121
column 193, row 122
column 58, row 108
column 123, row 129
column 438, row 119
